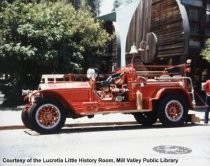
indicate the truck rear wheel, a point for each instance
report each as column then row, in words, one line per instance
column 172, row 110
column 146, row 119
column 47, row 117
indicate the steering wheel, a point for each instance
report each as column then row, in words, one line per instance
column 111, row 79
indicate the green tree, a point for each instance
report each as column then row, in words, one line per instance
column 93, row 5
column 49, row 32
column 118, row 3
column 205, row 53
column 47, row 37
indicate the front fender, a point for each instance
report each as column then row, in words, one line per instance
column 54, row 95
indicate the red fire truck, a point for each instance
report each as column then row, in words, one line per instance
column 148, row 93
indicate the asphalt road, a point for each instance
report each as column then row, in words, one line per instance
column 108, row 145
column 111, row 140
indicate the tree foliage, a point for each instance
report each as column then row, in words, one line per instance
column 205, row 53
column 118, row 3
column 47, row 37
column 93, row 5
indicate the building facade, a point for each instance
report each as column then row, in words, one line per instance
column 199, row 21
column 181, row 27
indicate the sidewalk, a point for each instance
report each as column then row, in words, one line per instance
column 10, row 118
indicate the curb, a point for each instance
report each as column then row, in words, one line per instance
column 16, row 127
column 13, row 127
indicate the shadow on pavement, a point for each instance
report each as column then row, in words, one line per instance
column 101, row 127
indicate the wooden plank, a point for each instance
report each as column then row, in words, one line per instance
column 165, row 20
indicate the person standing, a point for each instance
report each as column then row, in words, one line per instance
column 206, row 88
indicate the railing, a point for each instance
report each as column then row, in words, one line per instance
column 152, row 71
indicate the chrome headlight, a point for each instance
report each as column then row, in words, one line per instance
column 33, row 96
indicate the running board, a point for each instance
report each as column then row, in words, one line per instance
column 112, row 112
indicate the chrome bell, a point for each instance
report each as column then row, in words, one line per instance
column 133, row 50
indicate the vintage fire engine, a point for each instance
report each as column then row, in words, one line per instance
column 147, row 92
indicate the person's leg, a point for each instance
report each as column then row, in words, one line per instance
column 207, row 110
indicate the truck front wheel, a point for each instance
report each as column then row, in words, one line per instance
column 47, row 117
column 172, row 110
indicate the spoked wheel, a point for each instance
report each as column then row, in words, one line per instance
column 47, row 117
column 172, row 110
column 147, row 118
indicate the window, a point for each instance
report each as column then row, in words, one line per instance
column 198, row 3
column 208, row 31
column 208, row 17
column 208, row 23
column 194, row 28
column 195, row 43
column 194, row 14
column 208, row 7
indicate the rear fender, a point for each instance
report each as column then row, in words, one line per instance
column 165, row 91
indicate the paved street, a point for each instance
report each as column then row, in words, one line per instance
column 112, row 144
column 109, row 140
